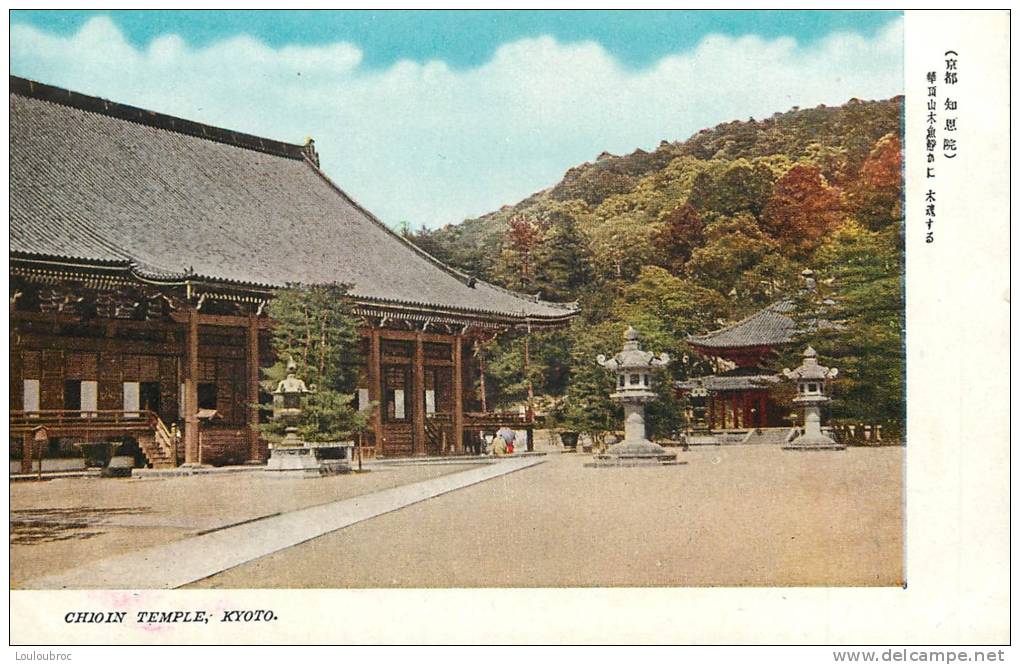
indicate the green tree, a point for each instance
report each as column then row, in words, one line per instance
column 620, row 245
column 586, row 406
column 733, row 246
column 860, row 275
column 562, row 262
column 315, row 327
column 740, row 186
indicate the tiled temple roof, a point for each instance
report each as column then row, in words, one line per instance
column 767, row 327
column 103, row 183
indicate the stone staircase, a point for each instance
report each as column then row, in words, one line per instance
column 159, row 446
column 776, row 436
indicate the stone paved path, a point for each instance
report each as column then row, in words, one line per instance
column 185, row 561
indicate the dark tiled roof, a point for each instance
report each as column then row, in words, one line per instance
column 741, row 378
column 767, row 327
column 103, row 182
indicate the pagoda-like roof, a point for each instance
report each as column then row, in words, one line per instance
column 741, row 378
column 98, row 183
column 771, row 326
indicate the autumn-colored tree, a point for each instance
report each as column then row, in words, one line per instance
column 876, row 198
column 802, row 210
column 681, row 231
column 523, row 235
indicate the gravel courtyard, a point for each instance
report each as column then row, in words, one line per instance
column 60, row 524
column 751, row 515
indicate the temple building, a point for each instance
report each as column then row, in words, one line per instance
column 144, row 249
column 738, row 397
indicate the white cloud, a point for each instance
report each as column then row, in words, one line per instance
column 431, row 144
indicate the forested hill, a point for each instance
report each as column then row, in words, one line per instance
column 699, row 233
column 719, row 170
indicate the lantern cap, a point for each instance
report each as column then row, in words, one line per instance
column 810, row 370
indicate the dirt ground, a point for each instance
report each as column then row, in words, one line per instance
column 741, row 515
column 60, row 524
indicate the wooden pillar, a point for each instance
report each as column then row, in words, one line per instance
column 375, row 388
column 733, row 407
column 746, row 399
column 419, row 395
column 481, row 376
column 191, row 442
column 458, row 395
column 252, row 357
column 711, row 411
column 27, row 443
column 763, row 410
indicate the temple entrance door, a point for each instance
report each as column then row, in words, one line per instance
column 397, row 411
column 438, row 410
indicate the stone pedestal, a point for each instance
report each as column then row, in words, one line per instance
column 813, row 438
column 311, row 460
column 635, row 449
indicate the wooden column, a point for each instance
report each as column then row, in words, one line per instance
column 711, row 411
column 375, row 388
column 252, row 358
column 763, row 410
column 458, row 395
column 27, row 443
column 191, row 443
column 733, row 407
column 746, row 399
column 419, row 395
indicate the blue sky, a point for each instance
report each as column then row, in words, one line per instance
column 431, row 117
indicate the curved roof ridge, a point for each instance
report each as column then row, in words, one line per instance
column 101, row 106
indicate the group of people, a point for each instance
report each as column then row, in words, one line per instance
column 503, row 442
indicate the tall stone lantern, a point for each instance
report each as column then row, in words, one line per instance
column 287, row 400
column 293, row 457
column 633, row 368
column 810, row 378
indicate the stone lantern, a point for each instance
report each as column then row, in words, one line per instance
column 810, row 378
column 287, row 400
column 633, row 368
column 293, row 457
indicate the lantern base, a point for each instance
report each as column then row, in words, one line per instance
column 813, row 442
column 635, row 453
column 309, row 460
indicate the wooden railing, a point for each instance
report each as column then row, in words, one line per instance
column 496, row 419
column 76, row 419
column 163, row 438
column 146, row 425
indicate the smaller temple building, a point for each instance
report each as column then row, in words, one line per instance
column 738, row 398
column 737, row 403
